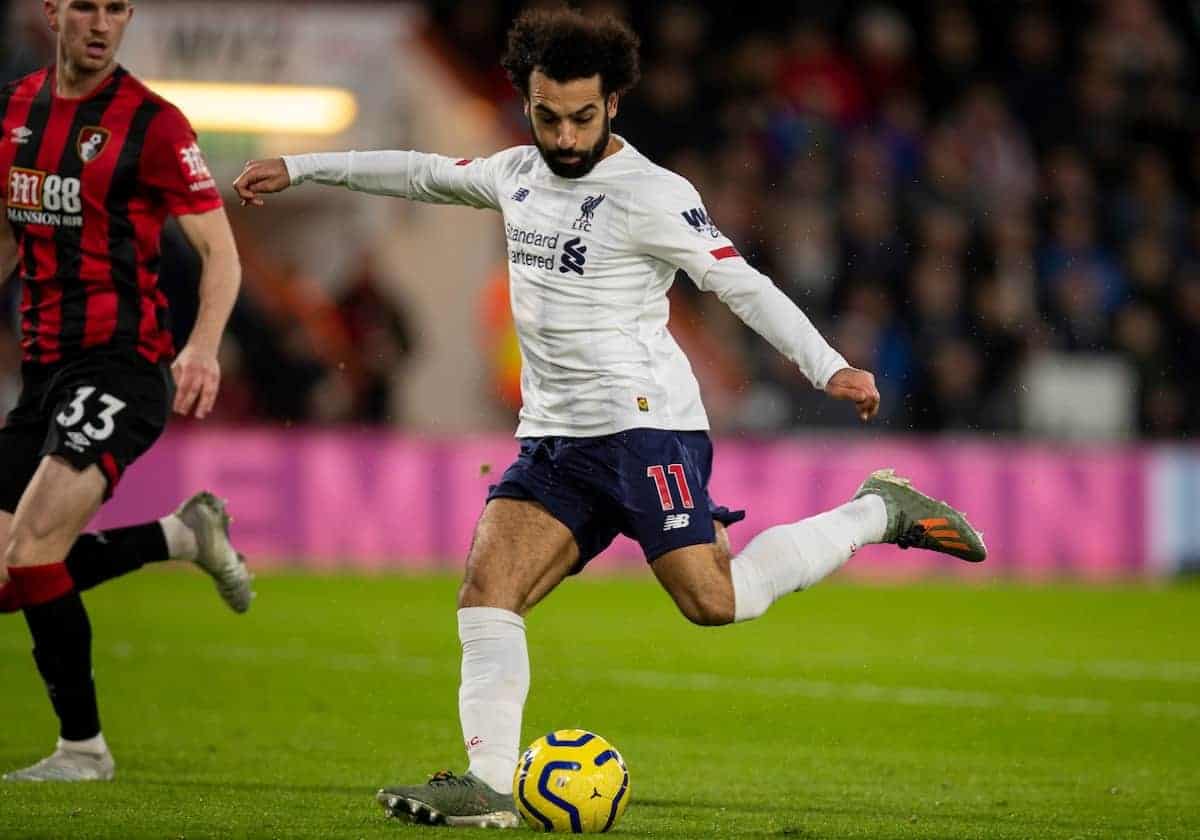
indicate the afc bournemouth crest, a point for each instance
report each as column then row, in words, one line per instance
column 91, row 142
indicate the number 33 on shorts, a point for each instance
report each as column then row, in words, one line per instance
column 89, row 417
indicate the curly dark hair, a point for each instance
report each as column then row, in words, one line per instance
column 565, row 45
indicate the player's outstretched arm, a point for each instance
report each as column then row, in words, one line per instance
column 672, row 225
column 419, row 176
column 260, row 177
column 196, row 370
column 769, row 312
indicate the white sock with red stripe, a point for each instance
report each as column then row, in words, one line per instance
column 787, row 558
column 495, row 681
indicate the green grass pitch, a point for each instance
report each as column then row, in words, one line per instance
column 850, row 711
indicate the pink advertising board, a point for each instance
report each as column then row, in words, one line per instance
column 378, row 501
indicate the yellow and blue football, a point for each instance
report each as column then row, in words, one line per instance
column 571, row 781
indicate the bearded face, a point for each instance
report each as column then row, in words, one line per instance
column 570, row 122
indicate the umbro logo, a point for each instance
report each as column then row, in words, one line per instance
column 573, row 256
column 676, row 521
column 77, row 441
column 521, row 194
column 21, row 134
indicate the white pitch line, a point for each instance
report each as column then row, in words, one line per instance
column 1131, row 670
column 861, row 692
column 1134, row 670
column 864, row 692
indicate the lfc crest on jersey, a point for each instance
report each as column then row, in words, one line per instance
column 91, row 141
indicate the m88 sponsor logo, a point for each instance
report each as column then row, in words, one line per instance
column 43, row 198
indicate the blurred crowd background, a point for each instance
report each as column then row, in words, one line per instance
column 987, row 204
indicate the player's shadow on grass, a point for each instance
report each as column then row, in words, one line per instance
column 901, row 817
column 691, row 805
column 367, row 791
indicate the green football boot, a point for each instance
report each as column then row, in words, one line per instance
column 447, row 799
column 916, row 521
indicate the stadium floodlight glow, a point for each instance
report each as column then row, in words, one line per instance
column 261, row 109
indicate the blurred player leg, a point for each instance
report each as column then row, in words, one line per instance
column 9, row 602
column 102, row 556
column 57, row 504
column 197, row 532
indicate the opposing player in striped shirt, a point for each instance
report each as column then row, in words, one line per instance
column 92, row 163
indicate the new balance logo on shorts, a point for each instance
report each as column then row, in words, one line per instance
column 676, row 521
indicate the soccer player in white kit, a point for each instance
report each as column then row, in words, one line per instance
column 613, row 435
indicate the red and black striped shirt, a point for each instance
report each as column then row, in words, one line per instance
column 90, row 182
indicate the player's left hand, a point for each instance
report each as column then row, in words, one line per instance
column 260, row 177
column 858, row 386
column 197, row 379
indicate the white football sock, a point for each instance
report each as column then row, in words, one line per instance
column 93, row 746
column 495, row 681
column 181, row 541
column 787, row 558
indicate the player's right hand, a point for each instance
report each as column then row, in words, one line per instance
column 260, row 177
column 857, row 386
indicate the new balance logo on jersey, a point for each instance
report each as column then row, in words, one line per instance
column 521, row 194
column 698, row 219
column 586, row 211
column 572, row 258
column 676, row 521
column 21, row 134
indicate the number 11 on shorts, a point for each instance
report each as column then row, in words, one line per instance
column 659, row 474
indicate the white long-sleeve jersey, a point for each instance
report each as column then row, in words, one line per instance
column 590, row 263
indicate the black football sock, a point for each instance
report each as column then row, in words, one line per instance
column 62, row 649
column 95, row 558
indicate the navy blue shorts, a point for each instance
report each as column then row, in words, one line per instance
column 649, row 484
